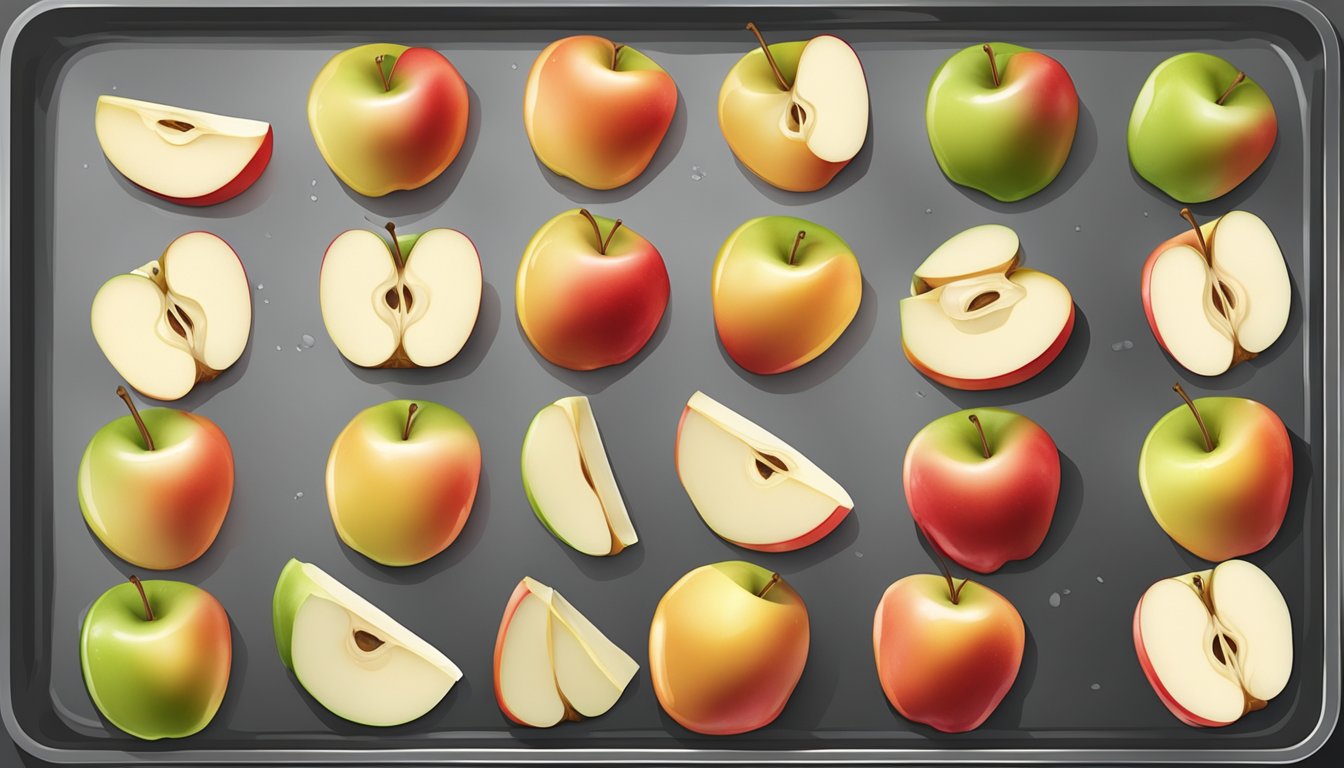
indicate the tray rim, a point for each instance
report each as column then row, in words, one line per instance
column 1328, row 421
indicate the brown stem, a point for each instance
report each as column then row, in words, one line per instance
column 396, row 247
column 984, row 444
column 135, row 414
column 597, row 231
column 1208, row 441
column 1238, row 80
column 149, row 612
column 774, row 579
column 1199, row 235
column 410, row 416
column 953, row 592
column 610, row 235
column 769, row 57
column 615, row 52
column 993, row 67
column 794, row 252
column 382, row 76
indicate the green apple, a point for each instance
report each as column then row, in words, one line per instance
column 1200, row 127
column 1001, row 119
column 156, row 657
column 355, row 660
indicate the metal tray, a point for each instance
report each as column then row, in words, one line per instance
column 72, row 222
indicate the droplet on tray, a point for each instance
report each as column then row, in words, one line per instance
column 928, row 210
column 299, row 495
column 1078, row 228
column 308, row 341
column 278, row 348
column 1100, row 580
column 1054, row 599
column 1096, row 686
column 697, row 173
column 1120, row 346
column 313, row 198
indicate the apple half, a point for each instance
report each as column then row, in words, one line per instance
column 1219, row 294
column 179, row 320
column 569, row 481
column 182, row 155
column 977, row 319
column 751, row 487
column 351, row 657
column 552, row 664
column 1215, row 644
column 408, row 304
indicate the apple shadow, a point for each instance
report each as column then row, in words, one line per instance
column 1059, row 372
column 244, row 202
column 407, row 205
column 605, row 568
column 839, row 540
column 595, row 381
column 825, row 365
column 237, row 673
column 1067, row 510
column 1081, row 154
column 662, row 158
column 812, row 697
column 846, row 178
column 462, row 547
column 468, row 359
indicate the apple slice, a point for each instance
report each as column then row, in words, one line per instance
column 830, row 100
column 1214, row 654
column 383, row 310
column 983, row 250
column 182, row 155
column 552, row 663
column 751, row 487
column 569, row 481
column 176, row 321
column 351, row 657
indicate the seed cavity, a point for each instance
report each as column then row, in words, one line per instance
column 367, row 642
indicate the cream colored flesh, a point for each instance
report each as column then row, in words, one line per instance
column 1251, row 608
column 985, row 249
column 1248, row 260
column 1180, row 294
column 831, row 94
column 1177, row 634
column 129, row 320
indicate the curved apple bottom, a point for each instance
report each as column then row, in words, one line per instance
column 1004, row 380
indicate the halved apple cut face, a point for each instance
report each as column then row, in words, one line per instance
column 552, row 664
column 569, row 481
column 751, row 487
column 829, row 104
column 983, row 250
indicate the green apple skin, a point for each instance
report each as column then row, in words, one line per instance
column 291, row 589
column 160, row 679
column 1186, row 144
column 1226, row 503
column 1008, row 141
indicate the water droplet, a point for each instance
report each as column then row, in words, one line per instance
column 265, row 301
column 858, row 554
column 1078, row 228
column 1096, row 686
column 298, row 349
column 920, row 394
column 278, row 347
column 308, row 341
column 1067, row 591
column 313, row 198
column 928, row 210
column 114, row 87
column 1054, row 599
column 697, row 173
column 86, row 165
column 1100, row 580
column 1145, row 214
column 299, row 495
column 314, row 183
column 513, row 66
column 260, row 286
column 1122, row 345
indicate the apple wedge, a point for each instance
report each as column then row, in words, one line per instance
column 179, row 320
column 552, row 664
column 749, row 486
column 410, row 304
column 351, row 657
column 1215, row 644
column 976, row 319
column 830, row 101
column 569, row 481
column 188, row 157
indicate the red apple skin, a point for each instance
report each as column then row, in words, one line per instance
column 516, row 599
column 1181, row 713
column 983, row 512
column 1008, row 379
column 245, row 178
column 433, row 120
column 947, row 666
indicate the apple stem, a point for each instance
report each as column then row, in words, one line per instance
column 796, row 241
column 769, row 57
column 993, row 66
column 597, row 231
column 396, row 247
column 610, row 235
column 382, row 76
column 1199, row 234
column 774, row 579
column 984, row 444
column 615, row 53
column 410, row 416
column 135, row 414
column 953, row 592
column 149, row 612
column 1208, row 441
column 1238, row 80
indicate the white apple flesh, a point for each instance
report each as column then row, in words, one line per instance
column 751, row 487
column 176, row 321
column 830, row 95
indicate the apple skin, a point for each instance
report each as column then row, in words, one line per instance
column 983, row 512
column 1186, row 144
column 595, row 113
column 582, row 309
column 163, row 679
column 1008, row 379
column 947, row 666
column 1227, row 503
column 749, row 102
column 400, row 502
column 157, row 509
column 520, row 593
column 724, row 661
column 380, row 141
column 773, row 316
column 1181, row 713
column 1008, row 141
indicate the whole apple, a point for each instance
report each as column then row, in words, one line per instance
column 156, row 657
column 982, row 486
column 154, row 486
column 590, row 292
column 1217, row 474
column 1200, row 127
column 784, row 291
column 401, row 479
column 387, row 117
column 727, row 646
column 596, row 111
column 1001, row 119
